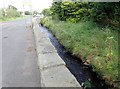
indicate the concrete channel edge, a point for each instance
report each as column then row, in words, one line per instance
column 53, row 70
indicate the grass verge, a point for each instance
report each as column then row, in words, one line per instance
column 4, row 19
column 9, row 19
column 96, row 46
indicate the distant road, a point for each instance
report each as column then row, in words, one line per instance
column 19, row 58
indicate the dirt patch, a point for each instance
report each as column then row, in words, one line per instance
column 30, row 49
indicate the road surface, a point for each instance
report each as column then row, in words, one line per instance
column 19, row 58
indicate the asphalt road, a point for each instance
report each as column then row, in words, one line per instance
column 19, row 58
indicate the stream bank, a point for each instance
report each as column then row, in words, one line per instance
column 84, row 74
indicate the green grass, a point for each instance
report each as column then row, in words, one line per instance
column 4, row 19
column 96, row 46
column 9, row 19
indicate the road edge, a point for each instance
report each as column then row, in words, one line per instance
column 50, row 62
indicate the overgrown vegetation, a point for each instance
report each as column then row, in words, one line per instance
column 96, row 46
column 27, row 13
column 77, row 26
column 9, row 14
column 104, row 12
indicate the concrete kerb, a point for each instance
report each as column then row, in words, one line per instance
column 50, row 61
column 54, row 72
column 58, row 76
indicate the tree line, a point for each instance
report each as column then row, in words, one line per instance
column 74, row 11
column 9, row 12
column 12, row 12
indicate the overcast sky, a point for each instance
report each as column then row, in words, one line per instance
column 37, row 5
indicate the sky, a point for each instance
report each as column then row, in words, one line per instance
column 37, row 5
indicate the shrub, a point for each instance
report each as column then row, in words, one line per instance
column 107, row 13
column 70, row 11
column 27, row 13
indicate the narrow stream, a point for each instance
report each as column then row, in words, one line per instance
column 84, row 74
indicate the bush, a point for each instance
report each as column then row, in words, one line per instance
column 1, row 13
column 70, row 11
column 27, row 13
column 11, row 13
column 107, row 13
column 46, row 12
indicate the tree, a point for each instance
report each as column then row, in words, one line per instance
column 12, row 12
column 71, row 11
column 46, row 12
column 74, row 11
column 1, row 13
column 35, row 12
column 27, row 13
column 12, row 7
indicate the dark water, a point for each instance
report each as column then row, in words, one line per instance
column 84, row 74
